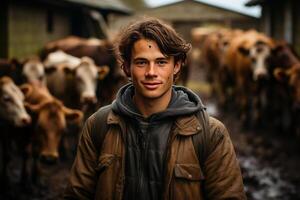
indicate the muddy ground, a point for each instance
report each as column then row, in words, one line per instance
column 270, row 162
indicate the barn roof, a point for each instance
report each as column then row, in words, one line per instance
column 112, row 5
column 213, row 6
column 254, row 2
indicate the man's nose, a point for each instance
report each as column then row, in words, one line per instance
column 151, row 70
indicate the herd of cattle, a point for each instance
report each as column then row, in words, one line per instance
column 44, row 99
column 256, row 74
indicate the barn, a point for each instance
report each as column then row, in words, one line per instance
column 27, row 25
column 280, row 19
column 187, row 14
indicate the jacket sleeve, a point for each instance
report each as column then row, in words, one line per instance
column 223, row 179
column 83, row 177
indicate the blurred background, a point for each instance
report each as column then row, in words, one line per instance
column 57, row 67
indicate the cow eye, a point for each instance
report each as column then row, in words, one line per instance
column 6, row 98
column 40, row 77
column 253, row 60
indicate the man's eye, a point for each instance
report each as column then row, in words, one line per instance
column 140, row 63
column 162, row 62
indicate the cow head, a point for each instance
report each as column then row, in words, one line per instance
column 33, row 71
column 291, row 76
column 258, row 55
column 50, row 125
column 86, row 76
column 283, row 55
column 60, row 57
column 11, row 103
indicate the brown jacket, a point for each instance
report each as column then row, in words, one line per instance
column 103, row 176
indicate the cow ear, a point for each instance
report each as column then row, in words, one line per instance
column 280, row 74
column 102, row 72
column 50, row 69
column 277, row 49
column 26, row 89
column 72, row 115
column 34, row 107
column 244, row 51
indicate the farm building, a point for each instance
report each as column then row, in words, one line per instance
column 280, row 19
column 187, row 14
column 27, row 25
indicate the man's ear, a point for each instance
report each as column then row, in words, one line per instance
column 177, row 67
column 126, row 69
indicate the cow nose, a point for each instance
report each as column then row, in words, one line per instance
column 49, row 159
column 26, row 121
column 89, row 99
column 262, row 76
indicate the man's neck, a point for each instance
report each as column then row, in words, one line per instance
column 148, row 106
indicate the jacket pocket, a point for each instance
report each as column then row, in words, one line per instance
column 187, row 182
column 190, row 172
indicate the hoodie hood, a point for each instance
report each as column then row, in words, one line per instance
column 183, row 102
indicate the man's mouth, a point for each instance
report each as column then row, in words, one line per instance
column 151, row 85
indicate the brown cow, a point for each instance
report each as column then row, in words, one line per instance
column 279, row 111
column 51, row 118
column 247, row 60
column 291, row 79
column 213, row 55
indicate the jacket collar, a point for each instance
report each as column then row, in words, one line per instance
column 187, row 125
column 113, row 118
column 184, row 125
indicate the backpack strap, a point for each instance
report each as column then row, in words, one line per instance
column 100, row 127
column 201, row 140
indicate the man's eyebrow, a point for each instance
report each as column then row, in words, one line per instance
column 163, row 58
column 139, row 58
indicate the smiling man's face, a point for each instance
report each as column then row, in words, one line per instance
column 152, row 72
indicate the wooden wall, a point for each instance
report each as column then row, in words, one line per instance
column 31, row 26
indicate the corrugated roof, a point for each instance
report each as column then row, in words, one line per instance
column 115, row 5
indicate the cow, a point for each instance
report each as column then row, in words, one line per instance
column 75, row 85
column 49, row 125
column 12, row 107
column 247, row 61
column 214, row 50
column 30, row 69
column 102, row 52
column 33, row 71
column 290, row 79
column 279, row 112
column 13, row 118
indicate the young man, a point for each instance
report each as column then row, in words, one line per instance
column 142, row 146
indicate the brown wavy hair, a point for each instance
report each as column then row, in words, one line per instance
column 167, row 39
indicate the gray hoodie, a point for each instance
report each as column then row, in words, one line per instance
column 146, row 140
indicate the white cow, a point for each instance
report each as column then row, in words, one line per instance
column 73, row 80
column 11, row 103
